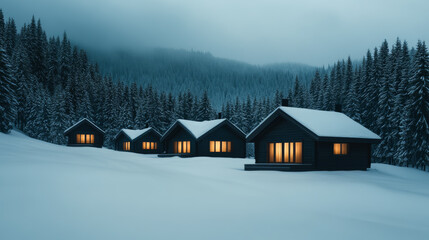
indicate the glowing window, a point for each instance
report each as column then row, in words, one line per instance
column 126, row 146
column 217, row 146
column 149, row 145
column 223, row 146
column 288, row 152
column 298, row 152
column 85, row 138
column 271, row 152
column 212, row 146
column 341, row 148
column 220, row 146
column 182, row 147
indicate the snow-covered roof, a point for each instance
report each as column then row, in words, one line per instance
column 200, row 128
column 325, row 123
column 132, row 133
column 80, row 121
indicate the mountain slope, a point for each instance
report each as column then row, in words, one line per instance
column 179, row 70
column 56, row 192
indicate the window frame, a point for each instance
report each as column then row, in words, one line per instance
column 287, row 153
column 85, row 138
column 220, row 146
column 341, row 146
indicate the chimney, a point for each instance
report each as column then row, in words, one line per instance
column 285, row 102
column 338, row 108
column 219, row 115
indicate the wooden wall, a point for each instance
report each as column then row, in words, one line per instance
column 358, row 157
column 150, row 136
column 179, row 134
column 85, row 128
column 224, row 133
column 283, row 130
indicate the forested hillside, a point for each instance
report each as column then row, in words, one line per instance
column 46, row 84
column 179, row 70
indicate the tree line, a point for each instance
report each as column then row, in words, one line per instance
column 48, row 84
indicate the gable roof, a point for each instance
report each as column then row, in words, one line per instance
column 135, row 133
column 200, row 128
column 83, row 120
column 322, row 124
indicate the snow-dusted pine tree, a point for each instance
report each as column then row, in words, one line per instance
column 419, row 107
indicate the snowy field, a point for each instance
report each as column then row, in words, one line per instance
column 56, row 192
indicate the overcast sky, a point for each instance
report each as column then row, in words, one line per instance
column 314, row 32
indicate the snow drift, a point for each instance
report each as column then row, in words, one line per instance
column 56, row 192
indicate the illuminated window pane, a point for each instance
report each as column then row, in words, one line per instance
column 185, row 147
column 179, row 147
column 344, row 149
column 298, row 152
column 88, row 138
column 291, row 150
column 152, row 145
column 156, row 145
column 337, row 148
column 229, row 146
column 77, row 138
column 189, row 146
column 278, row 152
column 126, row 146
column 175, row 147
column 223, row 146
column 217, row 146
column 286, row 152
column 82, row 138
column 271, row 152
column 92, row 138
column 212, row 146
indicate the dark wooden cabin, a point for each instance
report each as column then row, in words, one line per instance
column 293, row 139
column 215, row 138
column 84, row 133
column 140, row 141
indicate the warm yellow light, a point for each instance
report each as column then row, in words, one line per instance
column 337, row 148
column 156, row 145
column 179, row 147
column 223, row 146
column 271, row 152
column 175, row 147
column 189, row 146
column 286, row 152
column 298, row 152
column 82, row 138
column 278, row 152
column 344, row 149
column 229, row 146
column 126, row 146
column 211, row 146
column 77, row 138
column 291, row 150
column 217, row 146
column 92, row 138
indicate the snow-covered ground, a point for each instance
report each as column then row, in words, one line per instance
column 57, row 192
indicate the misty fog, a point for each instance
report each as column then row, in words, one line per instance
column 259, row 32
